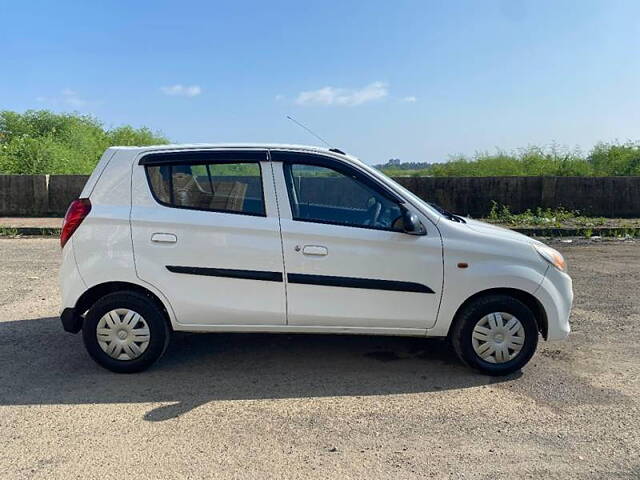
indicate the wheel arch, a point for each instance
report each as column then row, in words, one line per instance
column 525, row 297
column 96, row 292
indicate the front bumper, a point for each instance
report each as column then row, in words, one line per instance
column 71, row 320
column 556, row 295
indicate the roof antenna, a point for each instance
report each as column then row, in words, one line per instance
column 308, row 130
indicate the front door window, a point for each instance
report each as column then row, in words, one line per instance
column 326, row 195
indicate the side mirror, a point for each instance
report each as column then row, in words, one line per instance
column 411, row 224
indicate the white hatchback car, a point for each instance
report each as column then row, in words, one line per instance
column 280, row 238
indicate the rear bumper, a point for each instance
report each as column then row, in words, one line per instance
column 71, row 320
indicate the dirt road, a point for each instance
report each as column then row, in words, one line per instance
column 280, row 406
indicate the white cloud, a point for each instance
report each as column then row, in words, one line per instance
column 71, row 97
column 182, row 90
column 66, row 97
column 279, row 97
column 343, row 96
column 410, row 99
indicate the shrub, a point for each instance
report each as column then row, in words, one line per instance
column 605, row 159
column 46, row 142
column 615, row 159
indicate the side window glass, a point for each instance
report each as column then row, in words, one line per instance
column 237, row 187
column 160, row 182
column 322, row 194
column 219, row 187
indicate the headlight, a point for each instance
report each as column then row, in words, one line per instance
column 552, row 256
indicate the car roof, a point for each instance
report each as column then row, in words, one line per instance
column 266, row 146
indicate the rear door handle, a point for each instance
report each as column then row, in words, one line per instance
column 164, row 238
column 318, row 250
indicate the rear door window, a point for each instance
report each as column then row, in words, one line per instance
column 232, row 187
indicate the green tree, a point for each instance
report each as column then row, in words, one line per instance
column 609, row 159
column 46, row 142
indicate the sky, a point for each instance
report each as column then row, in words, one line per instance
column 415, row 80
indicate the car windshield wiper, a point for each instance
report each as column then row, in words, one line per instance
column 451, row 216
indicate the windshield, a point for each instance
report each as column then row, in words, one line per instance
column 407, row 193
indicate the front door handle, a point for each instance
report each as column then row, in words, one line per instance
column 317, row 250
column 164, row 238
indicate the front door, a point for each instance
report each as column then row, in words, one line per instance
column 206, row 234
column 347, row 262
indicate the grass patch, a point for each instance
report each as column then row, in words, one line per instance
column 29, row 232
column 543, row 217
column 8, row 232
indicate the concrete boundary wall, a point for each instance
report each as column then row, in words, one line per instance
column 597, row 196
column 49, row 195
column 38, row 195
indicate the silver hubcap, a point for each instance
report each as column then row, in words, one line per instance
column 498, row 337
column 123, row 334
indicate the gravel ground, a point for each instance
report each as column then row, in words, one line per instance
column 44, row 222
column 285, row 406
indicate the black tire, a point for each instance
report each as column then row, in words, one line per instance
column 466, row 320
column 154, row 317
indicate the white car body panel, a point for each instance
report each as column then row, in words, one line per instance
column 102, row 243
column 71, row 283
column 360, row 253
column 97, row 172
column 556, row 296
column 494, row 262
column 210, row 240
column 113, row 244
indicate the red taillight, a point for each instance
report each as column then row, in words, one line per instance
column 76, row 213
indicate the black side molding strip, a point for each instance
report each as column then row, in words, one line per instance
column 228, row 273
column 304, row 279
column 351, row 282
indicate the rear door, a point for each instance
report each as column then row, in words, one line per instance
column 206, row 234
column 347, row 260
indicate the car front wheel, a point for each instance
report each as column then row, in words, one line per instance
column 496, row 335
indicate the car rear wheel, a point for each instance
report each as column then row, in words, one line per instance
column 125, row 332
column 496, row 334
